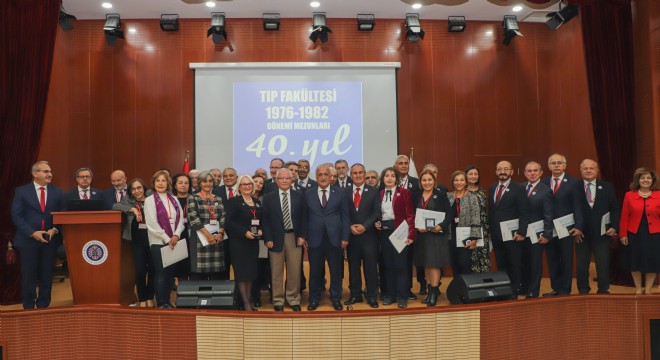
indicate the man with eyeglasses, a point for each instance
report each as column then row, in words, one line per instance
column 36, row 238
column 84, row 190
column 506, row 204
column 275, row 165
column 283, row 228
column 566, row 201
column 304, row 181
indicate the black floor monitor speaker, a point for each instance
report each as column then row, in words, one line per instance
column 205, row 294
column 481, row 287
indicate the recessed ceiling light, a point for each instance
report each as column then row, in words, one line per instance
column 107, row 5
column 132, row 30
column 417, row 6
column 315, row 4
column 210, row 4
column 517, row 8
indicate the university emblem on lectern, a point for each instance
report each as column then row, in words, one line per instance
column 95, row 252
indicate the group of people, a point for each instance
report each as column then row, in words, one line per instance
column 351, row 212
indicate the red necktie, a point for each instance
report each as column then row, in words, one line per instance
column 324, row 199
column 42, row 204
column 231, row 193
column 85, row 194
column 557, row 182
column 356, row 198
column 498, row 196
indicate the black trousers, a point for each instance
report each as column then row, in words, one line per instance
column 363, row 255
column 144, row 270
column 164, row 276
column 508, row 255
column 560, row 264
column 600, row 247
column 317, row 258
column 397, row 269
column 37, row 263
column 532, row 269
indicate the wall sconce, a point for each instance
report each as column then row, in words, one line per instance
column 414, row 32
column 366, row 22
column 271, row 22
column 319, row 28
column 217, row 29
column 112, row 28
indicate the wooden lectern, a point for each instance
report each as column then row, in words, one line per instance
column 100, row 262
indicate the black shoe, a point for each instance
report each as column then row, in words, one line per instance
column 403, row 304
column 434, row 292
column 373, row 303
column 423, row 288
column 551, row 293
column 426, row 301
column 279, row 308
column 583, row 292
column 312, row 306
column 337, row 305
column 531, row 296
column 522, row 291
column 602, row 292
column 388, row 301
column 353, row 300
column 166, row 306
column 295, row 307
column 257, row 304
column 411, row 296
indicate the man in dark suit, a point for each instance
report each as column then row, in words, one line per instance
column 565, row 195
column 327, row 231
column 227, row 191
column 371, row 178
column 343, row 180
column 36, row 237
column 506, row 201
column 84, row 190
column 283, row 227
column 304, row 181
column 363, row 248
column 539, row 200
column 598, row 200
column 118, row 190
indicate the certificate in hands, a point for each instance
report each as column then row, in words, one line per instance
column 605, row 223
column 464, row 232
column 213, row 229
column 534, row 231
column 509, row 228
column 174, row 255
column 421, row 216
column 399, row 237
column 563, row 225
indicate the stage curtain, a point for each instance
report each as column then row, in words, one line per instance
column 607, row 37
column 27, row 41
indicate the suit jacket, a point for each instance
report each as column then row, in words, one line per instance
column 333, row 220
column 73, row 194
column 272, row 187
column 566, row 200
column 110, row 198
column 273, row 221
column 441, row 204
column 310, row 184
column 605, row 202
column 27, row 216
column 349, row 182
column 512, row 205
column 541, row 207
column 403, row 208
column 632, row 210
column 367, row 213
column 221, row 191
column 239, row 217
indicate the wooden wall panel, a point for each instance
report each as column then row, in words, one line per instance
column 462, row 98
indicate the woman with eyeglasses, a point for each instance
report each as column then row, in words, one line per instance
column 134, row 229
column 244, row 229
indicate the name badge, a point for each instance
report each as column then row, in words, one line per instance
column 255, row 222
column 142, row 226
column 213, row 222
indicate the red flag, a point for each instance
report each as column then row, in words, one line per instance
column 186, row 165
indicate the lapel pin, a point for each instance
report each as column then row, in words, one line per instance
column 435, row 196
column 600, row 187
column 507, row 189
column 533, row 192
column 565, row 180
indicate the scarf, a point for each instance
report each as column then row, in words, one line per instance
column 161, row 213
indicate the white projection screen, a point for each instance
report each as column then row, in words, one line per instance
column 248, row 113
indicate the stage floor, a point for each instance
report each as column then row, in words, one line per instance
column 62, row 296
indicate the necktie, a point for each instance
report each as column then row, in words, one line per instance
column 300, row 183
column 324, row 199
column 356, row 198
column 286, row 214
column 529, row 188
column 557, row 182
column 388, row 195
column 231, row 193
column 498, row 196
column 84, row 196
column 590, row 198
column 118, row 195
column 42, row 204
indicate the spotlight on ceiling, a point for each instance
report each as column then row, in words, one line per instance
column 271, row 21
column 366, row 22
column 169, row 22
column 456, row 23
column 414, row 32
column 112, row 29
column 557, row 19
column 511, row 30
column 217, row 29
column 319, row 28
column 65, row 20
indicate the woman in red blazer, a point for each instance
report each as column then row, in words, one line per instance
column 640, row 228
column 396, row 207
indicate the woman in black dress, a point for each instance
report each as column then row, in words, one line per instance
column 640, row 228
column 243, row 225
column 182, row 192
column 432, row 248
